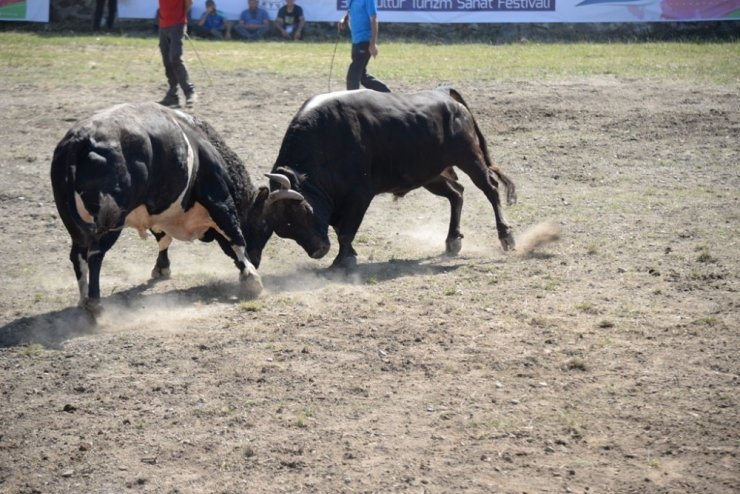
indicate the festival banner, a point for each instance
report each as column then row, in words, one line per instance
column 480, row 11
column 24, row 10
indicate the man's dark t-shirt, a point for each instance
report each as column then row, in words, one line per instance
column 290, row 19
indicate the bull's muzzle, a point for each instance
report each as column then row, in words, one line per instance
column 320, row 252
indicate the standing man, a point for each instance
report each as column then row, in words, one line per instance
column 173, row 26
column 362, row 17
column 98, row 19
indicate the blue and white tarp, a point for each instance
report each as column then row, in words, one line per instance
column 482, row 11
column 440, row 11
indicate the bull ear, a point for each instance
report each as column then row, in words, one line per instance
column 262, row 193
column 260, row 200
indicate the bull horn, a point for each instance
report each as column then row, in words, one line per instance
column 281, row 194
column 279, row 178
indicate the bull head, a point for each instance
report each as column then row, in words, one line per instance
column 292, row 216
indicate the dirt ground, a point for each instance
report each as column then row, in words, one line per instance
column 604, row 362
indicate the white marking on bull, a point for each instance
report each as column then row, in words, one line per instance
column 175, row 221
column 323, row 98
column 183, row 225
column 82, row 280
column 189, row 161
column 164, row 242
column 252, row 281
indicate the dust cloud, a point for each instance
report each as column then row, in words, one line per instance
column 537, row 236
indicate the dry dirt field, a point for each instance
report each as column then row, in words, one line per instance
column 604, row 362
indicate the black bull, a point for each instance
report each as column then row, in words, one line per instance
column 151, row 168
column 342, row 149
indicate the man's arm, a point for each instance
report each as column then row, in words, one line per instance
column 373, row 48
column 343, row 22
column 301, row 22
column 280, row 23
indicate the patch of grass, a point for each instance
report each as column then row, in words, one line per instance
column 576, row 363
column 704, row 255
column 497, row 424
column 572, row 423
column 363, row 239
column 586, row 307
column 32, row 350
column 551, row 285
column 710, row 321
column 539, row 322
column 372, row 280
column 301, row 420
column 123, row 60
column 250, row 306
column 450, row 291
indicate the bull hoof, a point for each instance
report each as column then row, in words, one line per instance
column 251, row 284
column 347, row 264
column 507, row 242
column 93, row 307
column 160, row 273
column 453, row 246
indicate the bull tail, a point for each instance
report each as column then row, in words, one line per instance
column 109, row 213
column 493, row 169
column 108, row 217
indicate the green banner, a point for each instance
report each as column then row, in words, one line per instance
column 13, row 9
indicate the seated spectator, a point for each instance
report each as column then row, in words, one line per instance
column 289, row 21
column 253, row 23
column 213, row 23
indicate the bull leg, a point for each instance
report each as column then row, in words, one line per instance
column 78, row 256
column 95, row 255
column 479, row 174
column 347, row 257
column 249, row 277
column 228, row 223
column 162, row 266
column 346, row 230
column 453, row 191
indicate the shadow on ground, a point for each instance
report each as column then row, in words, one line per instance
column 52, row 329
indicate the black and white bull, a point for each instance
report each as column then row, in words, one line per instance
column 342, row 149
column 151, row 168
